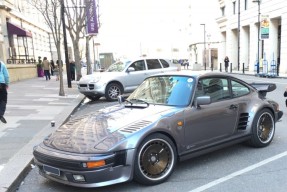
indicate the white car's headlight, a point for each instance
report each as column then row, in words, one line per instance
column 95, row 79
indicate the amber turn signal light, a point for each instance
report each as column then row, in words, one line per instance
column 95, row 164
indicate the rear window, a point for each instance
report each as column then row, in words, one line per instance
column 164, row 63
column 153, row 64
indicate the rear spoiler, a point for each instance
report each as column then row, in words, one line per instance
column 263, row 88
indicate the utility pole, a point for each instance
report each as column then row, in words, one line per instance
column 258, row 43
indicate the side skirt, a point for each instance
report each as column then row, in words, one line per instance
column 211, row 148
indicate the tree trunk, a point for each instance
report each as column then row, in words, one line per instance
column 77, row 59
column 61, row 90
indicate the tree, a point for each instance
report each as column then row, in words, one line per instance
column 76, row 17
column 50, row 9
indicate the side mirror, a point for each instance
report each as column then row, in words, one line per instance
column 121, row 99
column 202, row 100
column 130, row 69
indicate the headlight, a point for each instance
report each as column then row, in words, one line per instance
column 95, row 79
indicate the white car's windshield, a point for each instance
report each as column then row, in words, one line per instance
column 165, row 90
column 118, row 66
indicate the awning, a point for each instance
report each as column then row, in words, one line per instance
column 14, row 29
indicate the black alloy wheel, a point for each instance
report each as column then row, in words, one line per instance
column 155, row 160
column 263, row 129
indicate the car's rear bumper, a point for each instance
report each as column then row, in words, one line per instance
column 60, row 169
column 279, row 115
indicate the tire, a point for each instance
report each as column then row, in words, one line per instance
column 94, row 97
column 155, row 160
column 263, row 129
column 113, row 90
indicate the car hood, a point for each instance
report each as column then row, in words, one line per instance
column 99, row 76
column 100, row 130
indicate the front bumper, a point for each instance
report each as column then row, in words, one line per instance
column 91, row 88
column 64, row 167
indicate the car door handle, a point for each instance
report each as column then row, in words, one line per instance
column 233, row 106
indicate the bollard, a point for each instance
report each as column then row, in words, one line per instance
column 52, row 123
column 220, row 67
column 243, row 68
column 230, row 67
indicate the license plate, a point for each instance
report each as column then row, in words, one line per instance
column 51, row 170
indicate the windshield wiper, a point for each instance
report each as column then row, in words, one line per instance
column 139, row 100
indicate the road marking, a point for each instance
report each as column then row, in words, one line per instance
column 240, row 172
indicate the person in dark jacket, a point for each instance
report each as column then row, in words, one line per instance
column 285, row 95
column 73, row 70
column 226, row 63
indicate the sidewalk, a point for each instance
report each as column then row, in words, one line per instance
column 32, row 105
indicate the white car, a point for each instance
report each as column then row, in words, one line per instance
column 122, row 77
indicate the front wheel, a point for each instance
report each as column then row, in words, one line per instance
column 263, row 129
column 155, row 160
column 113, row 90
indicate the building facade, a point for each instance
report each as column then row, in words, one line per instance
column 252, row 31
column 24, row 38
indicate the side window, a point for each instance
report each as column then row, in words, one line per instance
column 239, row 89
column 138, row 65
column 164, row 63
column 153, row 64
column 216, row 88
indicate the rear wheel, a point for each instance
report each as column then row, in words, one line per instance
column 113, row 90
column 263, row 129
column 155, row 160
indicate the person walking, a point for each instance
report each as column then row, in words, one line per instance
column 73, row 70
column 226, row 63
column 285, row 95
column 46, row 66
column 4, row 83
column 52, row 67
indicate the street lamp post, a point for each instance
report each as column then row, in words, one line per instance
column 204, row 47
column 258, row 43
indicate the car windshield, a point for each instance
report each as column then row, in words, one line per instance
column 118, row 66
column 165, row 90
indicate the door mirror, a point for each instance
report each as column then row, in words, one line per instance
column 130, row 69
column 202, row 100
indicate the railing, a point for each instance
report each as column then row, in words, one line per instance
column 20, row 61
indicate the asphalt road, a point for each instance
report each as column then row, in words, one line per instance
column 237, row 168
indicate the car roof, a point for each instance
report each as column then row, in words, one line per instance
column 196, row 74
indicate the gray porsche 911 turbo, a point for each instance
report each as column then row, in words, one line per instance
column 169, row 118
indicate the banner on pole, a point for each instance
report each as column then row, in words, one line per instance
column 92, row 18
column 265, row 26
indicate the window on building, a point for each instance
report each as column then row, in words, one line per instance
column 222, row 11
column 234, row 7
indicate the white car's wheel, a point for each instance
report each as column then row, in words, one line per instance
column 155, row 160
column 113, row 90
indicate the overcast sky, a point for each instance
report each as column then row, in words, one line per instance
column 131, row 27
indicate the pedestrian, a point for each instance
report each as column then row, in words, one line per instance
column 56, row 72
column 73, row 70
column 226, row 63
column 46, row 66
column 52, row 67
column 285, row 95
column 4, row 83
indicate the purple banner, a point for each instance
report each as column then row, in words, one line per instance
column 92, row 18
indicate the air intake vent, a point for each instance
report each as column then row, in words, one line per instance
column 243, row 121
column 135, row 126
